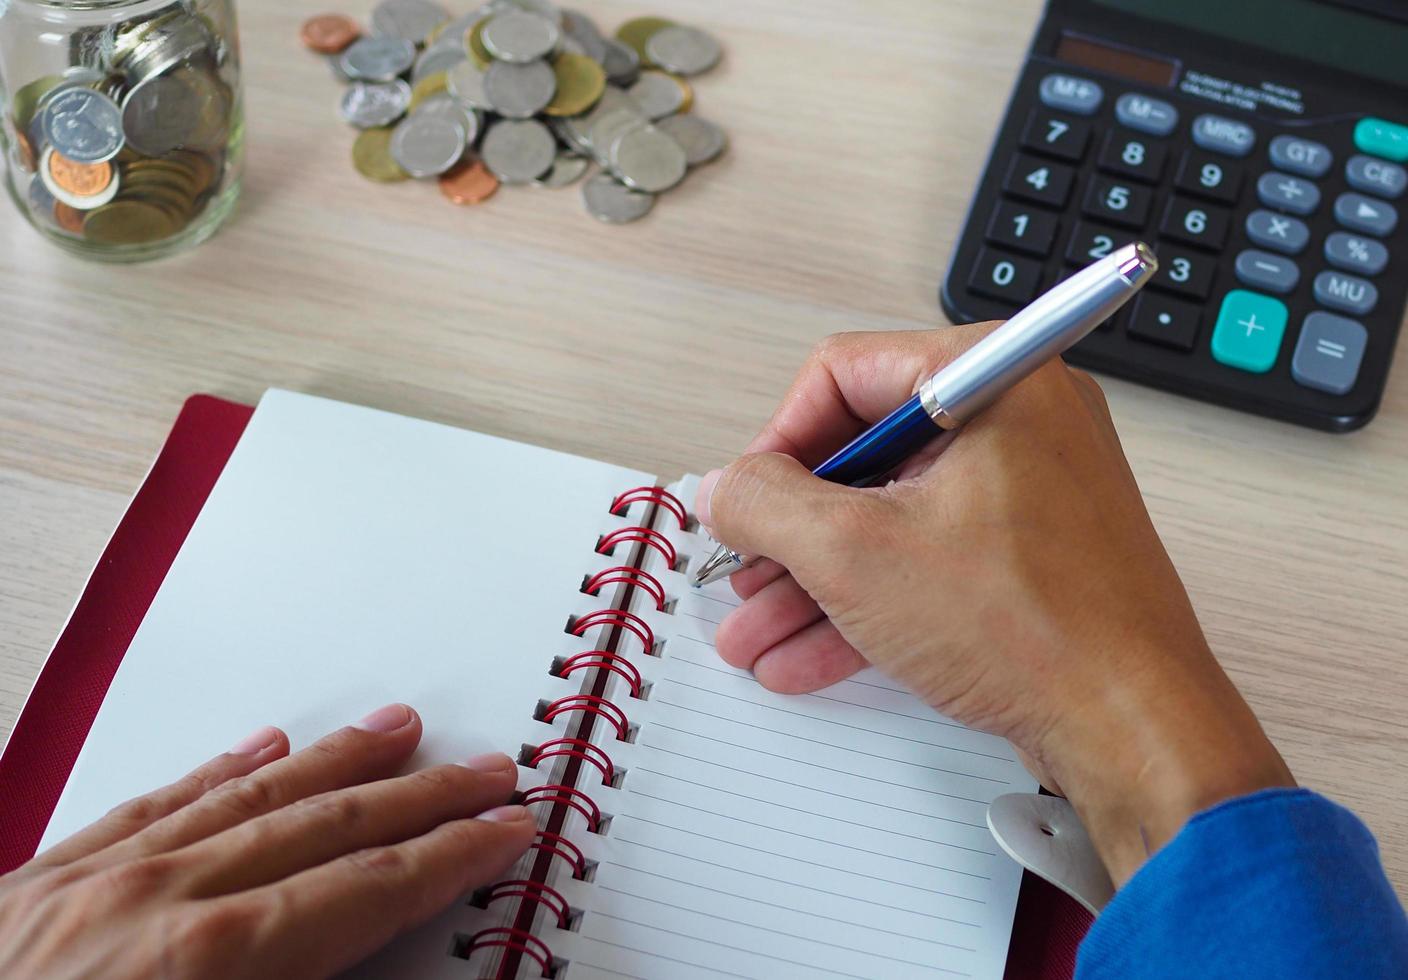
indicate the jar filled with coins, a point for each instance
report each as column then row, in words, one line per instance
column 123, row 125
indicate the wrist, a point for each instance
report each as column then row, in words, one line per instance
column 1139, row 759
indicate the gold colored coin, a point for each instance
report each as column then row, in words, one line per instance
column 27, row 158
column 371, row 155
column 428, row 86
column 159, row 171
column 635, row 33
column 203, row 167
column 70, row 219
column 686, row 89
column 79, row 179
column 580, row 82
column 26, row 101
column 128, row 223
column 474, row 44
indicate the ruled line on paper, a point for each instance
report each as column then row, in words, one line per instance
column 662, row 956
column 818, row 864
column 832, row 745
column 827, row 792
column 810, row 888
column 815, row 765
column 754, row 952
column 785, row 908
column 775, row 932
column 823, row 816
column 840, row 724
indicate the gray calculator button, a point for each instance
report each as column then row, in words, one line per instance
column 1271, row 273
column 1222, row 135
column 1369, row 215
column 1355, row 253
column 1348, row 294
column 1329, row 353
column 1152, row 116
column 1286, row 193
column 1279, row 232
column 1374, row 176
column 1304, row 157
column 1070, row 94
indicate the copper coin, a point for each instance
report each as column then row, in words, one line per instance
column 24, row 147
column 470, row 183
column 329, row 33
column 79, row 179
column 70, row 219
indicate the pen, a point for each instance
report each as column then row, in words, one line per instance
column 1046, row 328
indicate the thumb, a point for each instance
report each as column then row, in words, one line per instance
column 769, row 505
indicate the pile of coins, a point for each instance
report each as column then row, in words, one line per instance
column 520, row 92
column 128, row 145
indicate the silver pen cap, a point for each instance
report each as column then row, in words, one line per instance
column 1042, row 331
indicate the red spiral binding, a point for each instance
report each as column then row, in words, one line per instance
column 568, row 796
column 654, row 495
column 560, row 846
column 605, row 660
column 631, row 575
column 640, row 535
column 579, row 749
column 514, row 939
column 535, row 891
column 617, row 617
column 592, row 705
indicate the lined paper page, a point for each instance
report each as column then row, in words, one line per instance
column 839, row 834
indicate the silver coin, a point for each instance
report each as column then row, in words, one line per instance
column 609, row 127
column 519, row 91
column 621, row 63
column 41, row 202
column 543, row 8
column 657, row 94
column 567, row 169
column 377, row 59
column 409, row 20
column 520, row 37
column 427, row 146
column 702, row 140
column 367, row 105
column 466, row 83
column 613, row 202
column 647, row 160
column 162, row 113
column 436, row 59
column 84, row 125
column 580, row 28
column 683, row 50
column 456, row 32
column 447, row 106
column 518, row 151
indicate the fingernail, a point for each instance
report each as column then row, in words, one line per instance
column 388, row 719
column 490, row 762
column 256, row 741
column 504, row 814
column 704, row 498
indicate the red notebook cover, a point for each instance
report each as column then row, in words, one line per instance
column 60, row 710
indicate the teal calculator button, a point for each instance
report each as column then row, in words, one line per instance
column 1249, row 331
column 1382, row 139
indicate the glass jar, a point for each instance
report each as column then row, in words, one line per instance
column 123, row 124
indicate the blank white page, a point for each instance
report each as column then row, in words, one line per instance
column 839, row 834
column 348, row 558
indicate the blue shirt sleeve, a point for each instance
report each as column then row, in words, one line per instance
column 1282, row 883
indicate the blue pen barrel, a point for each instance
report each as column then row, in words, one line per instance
column 886, row 445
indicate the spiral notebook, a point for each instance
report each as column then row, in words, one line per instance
column 692, row 824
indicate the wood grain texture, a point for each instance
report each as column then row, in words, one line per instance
column 859, row 130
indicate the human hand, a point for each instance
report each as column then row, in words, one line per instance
column 1010, row 576
column 263, row 864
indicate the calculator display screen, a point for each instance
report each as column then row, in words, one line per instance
column 1314, row 31
column 1122, row 62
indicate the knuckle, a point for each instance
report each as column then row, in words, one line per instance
column 443, row 781
column 142, row 877
column 248, row 796
column 380, row 863
column 340, row 809
column 204, row 930
column 829, row 347
column 139, row 811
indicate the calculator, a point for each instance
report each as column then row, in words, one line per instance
column 1259, row 147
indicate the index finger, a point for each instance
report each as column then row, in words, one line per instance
column 853, row 380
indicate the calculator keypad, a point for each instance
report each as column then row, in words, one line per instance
column 1274, row 246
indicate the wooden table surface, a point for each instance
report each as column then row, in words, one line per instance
column 858, row 129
